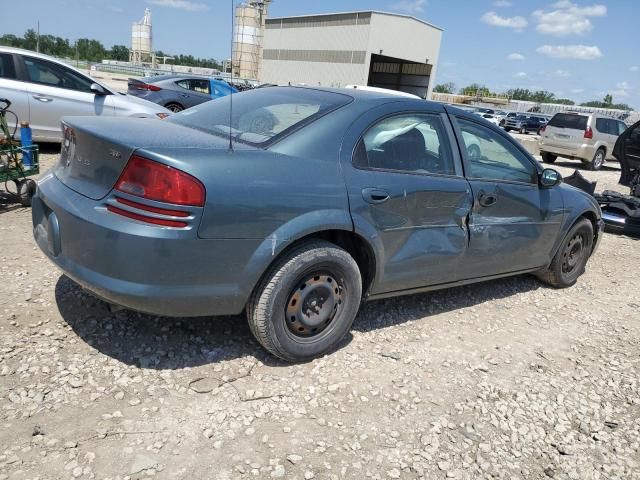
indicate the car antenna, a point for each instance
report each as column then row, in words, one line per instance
column 231, row 87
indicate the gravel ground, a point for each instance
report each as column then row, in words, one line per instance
column 507, row 379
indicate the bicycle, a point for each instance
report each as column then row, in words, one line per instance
column 12, row 153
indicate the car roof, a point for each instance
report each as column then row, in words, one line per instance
column 371, row 97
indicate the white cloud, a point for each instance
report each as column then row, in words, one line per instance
column 622, row 90
column 577, row 90
column 495, row 20
column 635, row 68
column 561, row 73
column 520, row 75
column 180, row 4
column 515, row 56
column 410, row 6
column 580, row 52
column 502, row 3
column 567, row 18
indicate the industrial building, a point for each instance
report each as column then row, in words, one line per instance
column 372, row 48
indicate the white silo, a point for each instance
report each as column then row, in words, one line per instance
column 247, row 40
column 142, row 39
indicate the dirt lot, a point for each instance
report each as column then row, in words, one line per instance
column 508, row 379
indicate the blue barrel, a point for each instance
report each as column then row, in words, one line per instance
column 26, row 140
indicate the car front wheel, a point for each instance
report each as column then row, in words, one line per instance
column 548, row 157
column 307, row 302
column 571, row 259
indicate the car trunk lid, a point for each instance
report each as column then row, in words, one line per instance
column 96, row 150
column 566, row 130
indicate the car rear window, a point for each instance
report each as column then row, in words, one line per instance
column 569, row 120
column 263, row 115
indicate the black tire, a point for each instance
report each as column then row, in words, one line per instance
column 523, row 131
column 598, row 160
column 572, row 256
column 26, row 190
column 276, row 310
column 174, row 107
column 507, row 129
column 548, row 157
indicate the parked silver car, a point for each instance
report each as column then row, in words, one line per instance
column 588, row 137
column 42, row 90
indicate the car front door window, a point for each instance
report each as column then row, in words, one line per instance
column 493, row 157
column 54, row 75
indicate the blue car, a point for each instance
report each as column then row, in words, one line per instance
column 298, row 204
column 178, row 92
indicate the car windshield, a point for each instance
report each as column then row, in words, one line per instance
column 569, row 120
column 261, row 116
column 521, row 117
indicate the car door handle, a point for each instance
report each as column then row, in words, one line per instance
column 487, row 199
column 375, row 196
column 43, row 99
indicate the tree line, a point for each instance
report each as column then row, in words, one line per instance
column 91, row 50
column 538, row 96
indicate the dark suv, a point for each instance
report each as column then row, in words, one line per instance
column 524, row 123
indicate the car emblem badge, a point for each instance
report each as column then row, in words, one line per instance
column 115, row 153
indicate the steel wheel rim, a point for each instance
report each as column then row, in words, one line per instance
column 175, row 108
column 313, row 304
column 573, row 253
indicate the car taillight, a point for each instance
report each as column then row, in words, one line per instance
column 588, row 133
column 543, row 128
column 145, row 86
column 156, row 181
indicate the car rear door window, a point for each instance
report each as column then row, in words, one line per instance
column 490, row 156
column 7, row 68
column 569, row 120
column 184, row 84
column 54, row 75
column 414, row 143
column 621, row 127
column 602, row 125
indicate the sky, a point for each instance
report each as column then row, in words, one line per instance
column 577, row 49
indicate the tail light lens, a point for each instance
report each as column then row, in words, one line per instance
column 155, row 181
column 543, row 128
column 588, row 133
column 145, row 86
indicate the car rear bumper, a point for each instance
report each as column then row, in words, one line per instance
column 151, row 269
column 583, row 151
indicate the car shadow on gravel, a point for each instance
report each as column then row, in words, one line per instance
column 395, row 311
column 153, row 342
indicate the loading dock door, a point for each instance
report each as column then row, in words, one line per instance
column 398, row 74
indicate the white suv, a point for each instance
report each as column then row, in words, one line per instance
column 588, row 137
column 42, row 90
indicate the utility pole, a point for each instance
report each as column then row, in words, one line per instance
column 38, row 38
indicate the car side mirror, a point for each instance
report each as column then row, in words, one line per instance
column 98, row 89
column 550, row 178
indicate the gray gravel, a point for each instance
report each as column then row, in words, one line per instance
column 507, row 379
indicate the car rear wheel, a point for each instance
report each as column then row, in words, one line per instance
column 523, row 130
column 26, row 190
column 598, row 160
column 307, row 302
column 571, row 259
column 174, row 107
column 548, row 157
